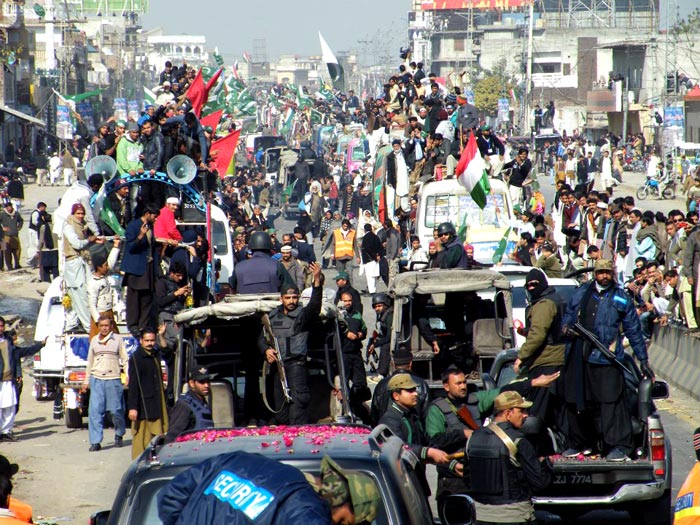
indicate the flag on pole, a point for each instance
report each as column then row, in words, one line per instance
column 471, row 173
column 198, row 93
column 462, row 232
column 335, row 70
column 501, row 248
column 246, row 57
column 222, row 151
column 149, row 97
column 212, row 119
column 218, row 59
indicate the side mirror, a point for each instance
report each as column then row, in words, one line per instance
column 100, row 518
column 457, row 509
column 660, row 390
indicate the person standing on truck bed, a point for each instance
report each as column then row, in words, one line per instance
column 504, row 466
column 604, row 308
column 260, row 274
column 543, row 349
column 381, row 337
column 452, row 254
column 192, row 412
column 290, row 326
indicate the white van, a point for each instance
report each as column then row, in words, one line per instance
column 448, row 201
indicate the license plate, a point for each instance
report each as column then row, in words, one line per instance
column 572, row 478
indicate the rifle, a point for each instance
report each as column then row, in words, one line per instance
column 465, row 416
column 273, row 343
column 591, row 337
column 372, row 358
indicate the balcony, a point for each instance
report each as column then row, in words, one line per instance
column 11, row 12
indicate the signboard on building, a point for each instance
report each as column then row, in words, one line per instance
column 120, row 109
column 64, row 124
column 133, row 110
column 485, row 5
column 673, row 117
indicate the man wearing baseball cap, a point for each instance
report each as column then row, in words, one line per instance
column 192, row 411
column 342, row 281
column 504, row 466
column 604, row 308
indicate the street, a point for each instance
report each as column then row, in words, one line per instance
column 65, row 483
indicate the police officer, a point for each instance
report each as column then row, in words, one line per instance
column 452, row 254
column 259, row 274
column 504, row 467
column 402, row 419
column 290, row 325
column 192, row 412
column 604, row 308
column 381, row 338
column 543, row 350
column 381, row 398
column 449, row 427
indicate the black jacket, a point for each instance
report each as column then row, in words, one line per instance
column 381, row 399
column 371, row 247
column 153, row 151
column 145, row 385
column 406, row 425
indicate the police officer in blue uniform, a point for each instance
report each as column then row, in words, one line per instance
column 290, row 325
column 259, row 274
column 192, row 412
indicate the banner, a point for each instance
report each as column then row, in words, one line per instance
column 133, row 110
column 503, row 110
column 673, row 117
column 469, row 94
column 120, row 109
column 64, row 125
column 85, row 110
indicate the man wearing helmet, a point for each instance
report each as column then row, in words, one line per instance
column 490, row 146
column 381, row 338
column 259, row 274
column 453, row 254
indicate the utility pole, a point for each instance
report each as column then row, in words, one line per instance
column 528, row 70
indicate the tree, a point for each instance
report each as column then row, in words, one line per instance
column 493, row 85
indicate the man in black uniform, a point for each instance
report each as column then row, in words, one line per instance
column 453, row 254
column 381, row 338
column 342, row 281
column 260, row 274
column 290, row 326
column 192, row 412
column 504, row 466
column 381, row 399
column 354, row 331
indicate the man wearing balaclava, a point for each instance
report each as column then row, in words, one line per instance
column 603, row 307
column 543, row 350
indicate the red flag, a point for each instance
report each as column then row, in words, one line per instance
column 212, row 119
column 198, row 92
column 222, row 151
column 468, row 154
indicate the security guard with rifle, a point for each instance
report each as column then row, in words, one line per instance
column 503, row 467
column 283, row 343
column 599, row 315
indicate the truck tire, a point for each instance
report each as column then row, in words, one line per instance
column 73, row 418
column 654, row 512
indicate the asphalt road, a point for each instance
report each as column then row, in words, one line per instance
column 65, row 483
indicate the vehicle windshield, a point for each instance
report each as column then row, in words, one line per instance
column 520, row 297
column 451, row 208
column 219, row 234
column 144, row 507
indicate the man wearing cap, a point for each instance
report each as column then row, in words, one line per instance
column 192, row 411
column 342, row 281
column 80, row 192
column 104, row 143
column 403, row 420
column 293, row 266
column 503, row 467
column 120, row 206
column 260, row 273
column 354, row 330
column 129, row 151
column 290, row 325
column 543, row 349
column 342, row 245
column 165, row 94
column 604, row 308
column 549, row 262
column 491, row 149
column 165, row 228
column 106, row 360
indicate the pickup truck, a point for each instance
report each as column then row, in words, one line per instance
column 376, row 452
column 642, row 486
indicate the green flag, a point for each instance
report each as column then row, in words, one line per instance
column 462, row 232
column 326, row 92
column 501, row 249
column 218, row 59
column 82, row 96
column 288, row 191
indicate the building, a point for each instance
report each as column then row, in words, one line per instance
column 178, row 49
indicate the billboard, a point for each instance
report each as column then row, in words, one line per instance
column 430, row 5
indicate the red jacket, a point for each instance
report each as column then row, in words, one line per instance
column 165, row 227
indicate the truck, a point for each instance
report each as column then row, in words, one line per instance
column 641, row 487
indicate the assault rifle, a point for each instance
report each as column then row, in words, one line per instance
column 272, row 342
column 593, row 339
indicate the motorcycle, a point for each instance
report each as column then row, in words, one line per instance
column 664, row 189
